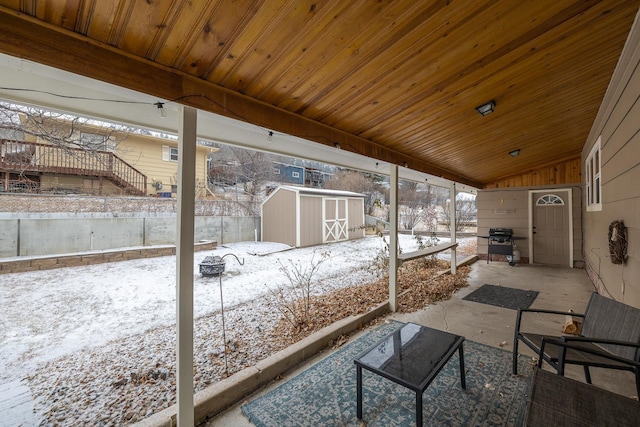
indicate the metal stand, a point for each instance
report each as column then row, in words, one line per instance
column 224, row 334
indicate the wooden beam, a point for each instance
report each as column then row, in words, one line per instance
column 26, row 37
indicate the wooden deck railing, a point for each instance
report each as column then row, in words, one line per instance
column 18, row 156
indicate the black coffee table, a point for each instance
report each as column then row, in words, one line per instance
column 412, row 356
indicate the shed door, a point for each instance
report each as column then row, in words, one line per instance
column 550, row 229
column 335, row 220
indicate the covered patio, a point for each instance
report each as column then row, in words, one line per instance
column 472, row 96
column 559, row 288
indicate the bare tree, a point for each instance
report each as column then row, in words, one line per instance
column 66, row 131
column 358, row 183
column 30, row 136
column 416, row 205
column 466, row 212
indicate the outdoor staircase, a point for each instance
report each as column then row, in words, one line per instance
column 20, row 157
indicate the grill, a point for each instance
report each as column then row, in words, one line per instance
column 501, row 242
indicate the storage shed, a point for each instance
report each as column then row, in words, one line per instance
column 299, row 216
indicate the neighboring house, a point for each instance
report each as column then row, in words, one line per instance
column 97, row 162
column 288, row 173
column 157, row 158
column 300, row 175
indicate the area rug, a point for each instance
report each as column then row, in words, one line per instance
column 325, row 394
column 502, row 296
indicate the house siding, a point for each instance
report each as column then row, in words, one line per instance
column 145, row 154
column 618, row 126
column 509, row 208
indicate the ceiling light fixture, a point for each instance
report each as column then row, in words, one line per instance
column 514, row 153
column 161, row 111
column 486, row 109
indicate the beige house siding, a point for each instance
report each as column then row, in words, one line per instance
column 618, row 127
column 509, row 208
column 279, row 218
column 145, row 153
column 310, row 217
column 90, row 183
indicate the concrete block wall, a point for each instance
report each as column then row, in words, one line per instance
column 49, row 236
column 74, row 260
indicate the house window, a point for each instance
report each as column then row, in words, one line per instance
column 169, row 154
column 550, row 199
column 593, row 178
column 295, row 174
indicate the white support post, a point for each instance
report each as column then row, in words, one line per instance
column 393, row 238
column 184, row 263
column 453, row 222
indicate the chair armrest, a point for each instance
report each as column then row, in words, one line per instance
column 521, row 311
column 562, row 342
column 602, row 341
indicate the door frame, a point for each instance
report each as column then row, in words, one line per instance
column 569, row 193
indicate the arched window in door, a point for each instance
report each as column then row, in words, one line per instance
column 549, row 199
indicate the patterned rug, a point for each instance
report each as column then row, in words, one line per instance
column 502, row 296
column 325, row 394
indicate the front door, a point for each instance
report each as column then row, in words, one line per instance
column 551, row 228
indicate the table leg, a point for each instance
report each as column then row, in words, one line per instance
column 418, row 409
column 359, row 391
column 463, row 381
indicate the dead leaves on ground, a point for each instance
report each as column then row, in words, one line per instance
column 420, row 283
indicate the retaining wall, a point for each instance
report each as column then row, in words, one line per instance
column 18, row 265
column 52, row 236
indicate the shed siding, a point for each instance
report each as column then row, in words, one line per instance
column 619, row 128
column 310, row 220
column 279, row 218
column 296, row 216
column 356, row 218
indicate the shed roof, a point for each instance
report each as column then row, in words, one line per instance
column 313, row 191
column 320, row 191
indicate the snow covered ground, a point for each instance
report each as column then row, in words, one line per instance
column 47, row 314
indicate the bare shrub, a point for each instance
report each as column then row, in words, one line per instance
column 294, row 300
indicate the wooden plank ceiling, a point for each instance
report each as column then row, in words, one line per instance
column 397, row 80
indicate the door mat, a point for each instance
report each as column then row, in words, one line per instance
column 502, row 296
column 325, row 394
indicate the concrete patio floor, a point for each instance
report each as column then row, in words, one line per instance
column 559, row 288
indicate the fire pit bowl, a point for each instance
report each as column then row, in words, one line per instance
column 212, row 266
